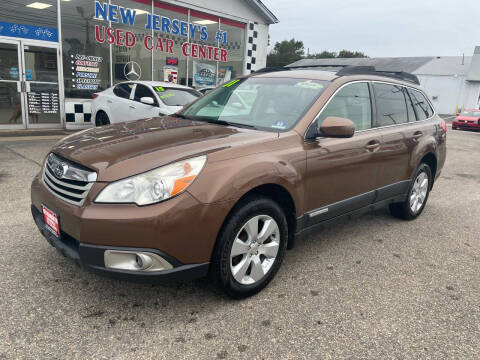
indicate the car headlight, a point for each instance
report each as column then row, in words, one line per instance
column 155, row 185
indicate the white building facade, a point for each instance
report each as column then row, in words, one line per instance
column 54, row 55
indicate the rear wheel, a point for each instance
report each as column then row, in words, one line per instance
column 102, row 119
column 250, row 247
column 417, row 196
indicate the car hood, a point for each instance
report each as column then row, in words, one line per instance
column 124, row 149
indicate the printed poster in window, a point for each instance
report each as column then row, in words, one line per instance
column 170, row 74
column 203, row 74
column 224, row 74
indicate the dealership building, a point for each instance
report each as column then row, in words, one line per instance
column 55, row 54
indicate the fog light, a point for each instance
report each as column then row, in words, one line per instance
column 139, row 261
column 135, row 261
column 143, row 261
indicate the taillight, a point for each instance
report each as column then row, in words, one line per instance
column 444, row 126
column 94, row 96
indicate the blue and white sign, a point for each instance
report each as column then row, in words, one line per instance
column 29, row 74
column 28, row 31
column 14, row 72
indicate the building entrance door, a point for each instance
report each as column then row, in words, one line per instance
column 29, row 85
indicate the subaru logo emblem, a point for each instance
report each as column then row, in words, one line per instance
column 59, row 170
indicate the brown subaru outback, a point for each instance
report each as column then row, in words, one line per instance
column 225, row 186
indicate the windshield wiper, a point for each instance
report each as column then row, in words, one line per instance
column 228, row 123
column 181, row 116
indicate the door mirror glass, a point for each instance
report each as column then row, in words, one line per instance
column 334, row 126
column 147, row 100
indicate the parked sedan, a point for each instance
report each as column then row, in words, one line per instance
column 140, row 100
column 468, row 119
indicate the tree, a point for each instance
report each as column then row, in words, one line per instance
column 351, row 54
column 323, row 55
column 285, row 52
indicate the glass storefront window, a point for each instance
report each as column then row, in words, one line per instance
column 203, row 72
column 132, row 62
column 86, row 63
column 181, row 52
column 176, row 66
column 29, row 12
column 235, row 45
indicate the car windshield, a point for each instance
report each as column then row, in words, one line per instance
column 176, row 96
column 471, row 113
column 273, row 104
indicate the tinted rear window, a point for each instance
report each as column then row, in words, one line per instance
column 421, row 105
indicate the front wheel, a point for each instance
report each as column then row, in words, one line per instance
column 250, row 247
column 417, row 196
column 102, row 119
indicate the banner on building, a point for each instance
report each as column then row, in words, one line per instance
column 28, row 31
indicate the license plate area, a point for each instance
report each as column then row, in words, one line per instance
column 50, row 219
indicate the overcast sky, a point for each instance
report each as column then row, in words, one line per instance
column 380, row 28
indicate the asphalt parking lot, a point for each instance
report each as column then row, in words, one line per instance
column 369, row 288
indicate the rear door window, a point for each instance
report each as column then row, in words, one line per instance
column 351, row 102
column 123, row 90
column 421, row 105
column 391, row 104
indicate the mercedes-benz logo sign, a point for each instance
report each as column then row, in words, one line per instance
column 132, row 71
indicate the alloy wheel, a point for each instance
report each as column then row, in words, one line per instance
column 419, row 192
column 254, row 249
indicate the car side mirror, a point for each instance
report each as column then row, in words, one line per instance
column 147, row 100
column 339, row 127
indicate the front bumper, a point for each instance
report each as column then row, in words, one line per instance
column 465, row 126
column 91, row 257
column 181, row 230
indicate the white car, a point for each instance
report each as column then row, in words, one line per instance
column 134, row 100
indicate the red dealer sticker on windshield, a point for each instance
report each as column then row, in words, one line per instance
column 51, row 221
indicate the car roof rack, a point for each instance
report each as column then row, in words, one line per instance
column 370, row 70
column 270, row 69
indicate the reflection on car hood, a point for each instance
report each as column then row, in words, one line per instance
column 123, row 149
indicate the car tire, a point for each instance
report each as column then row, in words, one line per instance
column 417, row 195
column 102, row 119
column 244, row 261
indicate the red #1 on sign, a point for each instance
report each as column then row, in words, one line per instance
column 51, row 220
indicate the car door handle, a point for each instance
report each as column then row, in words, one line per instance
column 417, row 135
column 132, row 107
column 110, row 101
column 372, row 145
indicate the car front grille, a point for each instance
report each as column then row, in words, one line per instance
column 69, row 190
